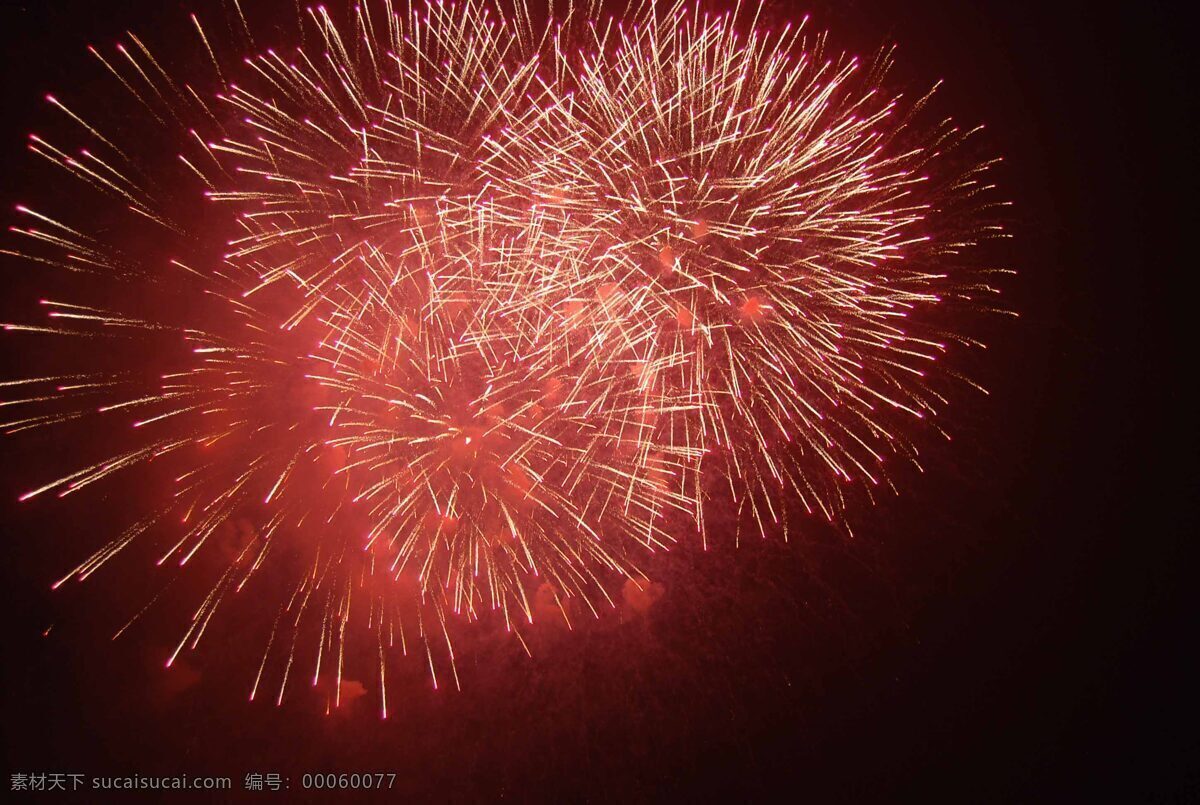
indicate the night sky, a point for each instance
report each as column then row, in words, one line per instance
column 1012, row 627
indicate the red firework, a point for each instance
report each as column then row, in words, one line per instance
column 461, row 308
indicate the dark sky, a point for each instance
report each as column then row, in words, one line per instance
column 1013, row 628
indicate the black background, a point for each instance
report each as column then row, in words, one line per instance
column 1013, row 628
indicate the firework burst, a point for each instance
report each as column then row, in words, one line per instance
column 467, row 305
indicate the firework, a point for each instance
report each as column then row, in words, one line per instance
column 456, row 306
